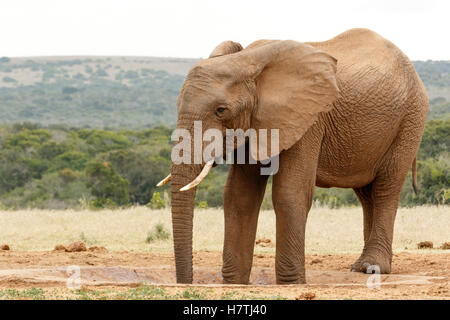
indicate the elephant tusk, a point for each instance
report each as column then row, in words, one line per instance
column 164, row 181
column 200, row 177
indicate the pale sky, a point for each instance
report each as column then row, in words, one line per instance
column 193, row 28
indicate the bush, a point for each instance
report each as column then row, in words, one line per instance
column 335, row 198
column 101, row 140
column 51, row 149
column 69, row 90
column 435, row 180
column 131, row 75
column 157, row 233
column 9, row 79
column 100, row 203
column 68, row 175
column 202, row 205
column 156, row 202
column 101, row 73
column 142, row 171
column 435, row 140
column 106, row 185
column 74, row 160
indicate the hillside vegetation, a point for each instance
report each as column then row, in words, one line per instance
column 98, row 92
column 62, row 167
column 127, row 92
column 95, row 132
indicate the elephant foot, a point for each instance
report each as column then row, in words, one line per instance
column 372, row 263
column 291, row 278
column 228, row 278
column 297, row 281
column 234, row 281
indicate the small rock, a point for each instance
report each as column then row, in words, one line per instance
column 60, row 247
column 264, row 242
column 98, row 249
column 445, row 246
column 306, row 296
column 5, row 247
column 76, row 246
column 425, row 245
column 315, row 261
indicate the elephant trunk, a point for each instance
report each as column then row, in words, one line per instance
column 182, row 219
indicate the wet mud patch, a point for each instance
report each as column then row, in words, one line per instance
column 165, row 275
column 414, row 275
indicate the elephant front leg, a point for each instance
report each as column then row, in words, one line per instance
column 292, row 193
column 291, row 211
column 243, row 195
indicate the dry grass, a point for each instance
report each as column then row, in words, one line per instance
column 328, row 231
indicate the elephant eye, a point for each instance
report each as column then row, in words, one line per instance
column 219, row 111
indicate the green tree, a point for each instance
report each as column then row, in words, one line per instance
column 74, row 160
column 142, row 171
column 106, row 184
column 435, row 139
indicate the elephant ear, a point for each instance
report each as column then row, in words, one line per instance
column 295, row 82
column 226, row 47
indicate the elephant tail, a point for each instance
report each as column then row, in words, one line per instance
column 414, row 175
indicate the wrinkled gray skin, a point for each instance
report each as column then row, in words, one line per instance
column 351, row 113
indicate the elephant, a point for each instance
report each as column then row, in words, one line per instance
column 350, row 113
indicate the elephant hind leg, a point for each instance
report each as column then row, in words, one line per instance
column 379, row 214
column 380, row 201
column 364, row 195
column 380, row 208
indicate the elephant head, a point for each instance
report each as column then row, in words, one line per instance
column 280, row 85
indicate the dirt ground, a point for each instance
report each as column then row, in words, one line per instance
column 132, row 275
column 132, row 267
